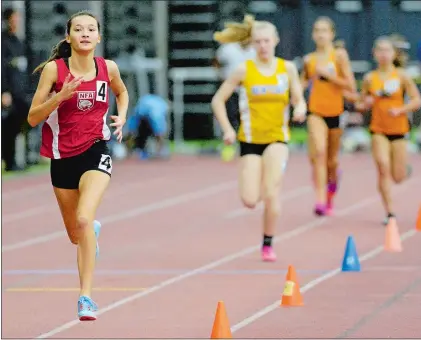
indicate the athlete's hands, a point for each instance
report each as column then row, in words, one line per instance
column 355, row 118
column 368, row 102
column 69, row 87
column 323, row 72
column 352, row 96
column 364, row 103
column 118, row 124
column 229, row 136
column 299, row 115
column 395, row 111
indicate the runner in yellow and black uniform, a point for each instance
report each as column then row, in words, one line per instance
column 267, row 84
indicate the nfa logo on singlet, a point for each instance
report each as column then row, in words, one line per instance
column 85, row 100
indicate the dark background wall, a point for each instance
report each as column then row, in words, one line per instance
column 294, row 19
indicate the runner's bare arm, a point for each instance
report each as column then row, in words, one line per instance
column 224, row 92
column 41, row 108
column 119, row 89
column 297, row 95
column 411, row 89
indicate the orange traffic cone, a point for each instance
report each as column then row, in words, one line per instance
column 221, row 327
column 392, row 239
column 292, row 295
column 418, row 225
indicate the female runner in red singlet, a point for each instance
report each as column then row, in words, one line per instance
column 73, row 99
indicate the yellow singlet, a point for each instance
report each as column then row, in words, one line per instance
column 264, row 105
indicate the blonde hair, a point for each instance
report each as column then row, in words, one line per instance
column 241, row 32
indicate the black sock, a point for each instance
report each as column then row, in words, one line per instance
column 267, row 240
column 390, row 215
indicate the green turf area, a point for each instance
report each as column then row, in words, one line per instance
column 36, row 169
column 298, row 137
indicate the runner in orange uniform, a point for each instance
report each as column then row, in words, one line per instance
column 383, row 93
column 327, row 74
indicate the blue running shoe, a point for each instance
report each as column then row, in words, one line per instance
column 86, row 309
column 97, row 229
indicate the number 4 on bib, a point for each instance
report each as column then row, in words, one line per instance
column 101, row 91
column 106, row 163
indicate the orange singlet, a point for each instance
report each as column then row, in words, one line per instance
column 326, row 99
column 387, row 93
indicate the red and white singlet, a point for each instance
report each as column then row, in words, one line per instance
column 81, row 120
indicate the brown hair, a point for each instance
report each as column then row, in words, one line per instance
column 399, row 58
column 63, row 49
column 327, row 20
column 400, row 44
column 8, row 12
column 339, row 43
column 241, row 32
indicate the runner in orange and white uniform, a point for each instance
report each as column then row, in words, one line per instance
column 383, row 93
column 327, row 74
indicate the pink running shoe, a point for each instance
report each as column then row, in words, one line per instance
column 268, row 255
column 320, row 209
column 332, row 189
column 329, row 202
column 329, row 209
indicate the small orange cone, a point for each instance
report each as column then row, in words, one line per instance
column 418, row 225
column 221, row 327
column 292, row 295
column 392, row 239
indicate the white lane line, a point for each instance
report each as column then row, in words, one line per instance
column 285, row 236
column 313, row 283
column 159, row 205
column 25, row 214
column 156, row 206
column 25, row 191
column 153, row 207
column 120, row 190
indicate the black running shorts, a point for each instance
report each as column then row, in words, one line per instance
column 66, row 172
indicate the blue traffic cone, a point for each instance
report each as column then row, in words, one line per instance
column 351, row 262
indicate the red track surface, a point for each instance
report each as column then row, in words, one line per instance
column 178, row 230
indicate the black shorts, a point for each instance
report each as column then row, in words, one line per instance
column 331, row 122
column 391, row 138
column 255, row 149
column 233, row 110
column 66, row 172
